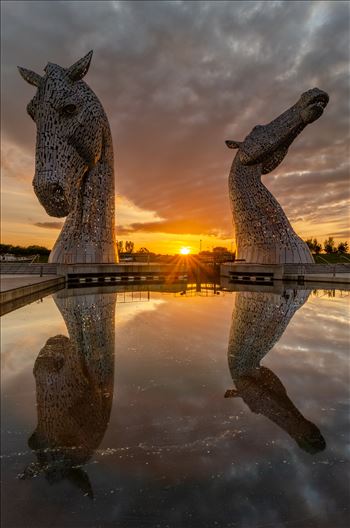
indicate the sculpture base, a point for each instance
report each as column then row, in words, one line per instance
column 258, row 275
column 270, row 255
column 84, row 256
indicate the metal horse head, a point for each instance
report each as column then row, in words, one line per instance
column 268, row 144
column 263, row 234
column 74, row 380
column 69, row 132
column 259, row 320
column 74, row 162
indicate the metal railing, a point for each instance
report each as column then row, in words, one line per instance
column 324, row 260
column 329, row 264
column 28, row 268
column 334, row 265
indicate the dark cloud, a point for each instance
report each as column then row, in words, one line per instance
column 183, row 226
column 178, row 78
column 50, row 225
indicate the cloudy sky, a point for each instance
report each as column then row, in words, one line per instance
column 176, row 80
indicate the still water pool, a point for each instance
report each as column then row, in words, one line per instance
column 174, row 410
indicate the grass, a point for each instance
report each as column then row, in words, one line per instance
column 332, row 258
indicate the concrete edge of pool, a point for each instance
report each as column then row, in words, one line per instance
column 19, row 289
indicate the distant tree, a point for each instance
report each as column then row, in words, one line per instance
column 314, row 245
column 219, row 249
column 143, row 250
column 329, row 245
column 317, row 246
column 40, row 250
column 129, row 246
column 343, row 247
column 310, row 244
column 120, row 246
column 19, row 250
column 5, row 248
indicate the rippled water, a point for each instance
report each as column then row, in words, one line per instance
column 176, row 410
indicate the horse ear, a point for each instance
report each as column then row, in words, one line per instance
column 233, row 144
column 232, row 393
column 30, row 76
column 80, row 68
column 80, row 479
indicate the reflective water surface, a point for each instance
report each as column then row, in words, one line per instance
column 187, row 409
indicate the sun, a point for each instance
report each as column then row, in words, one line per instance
column 185, row 251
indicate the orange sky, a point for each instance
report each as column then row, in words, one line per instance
column 196, row 74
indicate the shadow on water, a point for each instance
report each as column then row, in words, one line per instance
column 259, row 320
column 74, row 389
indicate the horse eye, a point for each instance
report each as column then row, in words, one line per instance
column 69, row 109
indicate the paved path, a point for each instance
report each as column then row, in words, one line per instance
column 343, row 278
column 17, row 290
column 11, row 282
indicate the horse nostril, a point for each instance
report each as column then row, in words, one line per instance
column 58, row 189
column 58, row 192
column 51, row 194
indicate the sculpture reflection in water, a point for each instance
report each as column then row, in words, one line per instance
column 74, row 386
column 258, row 322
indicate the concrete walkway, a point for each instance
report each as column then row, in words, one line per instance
column 338, row 278
column 11, row 282
column 17, row 287
column 338, row 274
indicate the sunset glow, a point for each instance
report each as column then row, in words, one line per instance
column 173, row 193
column 174, row 263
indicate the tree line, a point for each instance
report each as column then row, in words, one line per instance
column 328, row 247
column 20, row 250
column 128, row 246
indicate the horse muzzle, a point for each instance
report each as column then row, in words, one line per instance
column 51, row 195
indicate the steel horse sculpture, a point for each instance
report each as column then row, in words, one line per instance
column 259, row 320
column 74, row 174
column 74, row 379
column 263, row 234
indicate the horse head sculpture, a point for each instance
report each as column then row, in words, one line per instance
column 74, row 387
column 258, row 321
column 74, row 173
column 262, row 231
